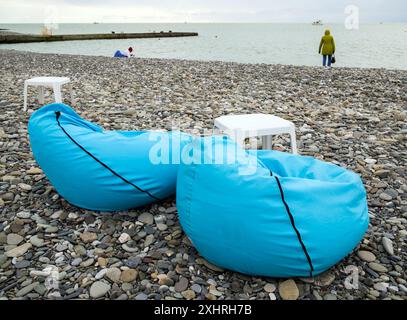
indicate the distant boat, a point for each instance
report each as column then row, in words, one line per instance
column 96, row 23
column 317, row 23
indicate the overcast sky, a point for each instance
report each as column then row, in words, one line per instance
column 60, row 11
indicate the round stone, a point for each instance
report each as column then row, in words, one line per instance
column 133, row 262
column 98, row 289
column 27, row 289
column 272, row 296
column 14, row 239
column 196, row 288
column 128, row 275
column 129, row 249
column 366, row 256
column 400, row 116
column 3, row 238
column 162, row 226
column 127, row 286
column 61, row 247
column 377, row 267
column 388, row 245
column 124, row 237
column 269, row 288
column 181, row 285
column 51, row 229
column 100, row 274
column 113, row 274
column 76, row 261
column 330, row 296
column 102, row 262
column 22, row 264
column 386, row 197
column 141, row 296
column 403, row 233
column 288, row 290
column 34, row 170
column 23, row 215
column 370, row 161
column 18, row 251
column 381, row 286
column 24, row 187
column 80, row 250
column 149, row 240
column 87, row 262
column 37, row 242
column 8, row 196
column 324, row 279
column 146, row 218
column 163, row 279
column 188, row 294
column 87, row 237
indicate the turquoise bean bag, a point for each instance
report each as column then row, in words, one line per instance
column 102, row 170
column 268, row 213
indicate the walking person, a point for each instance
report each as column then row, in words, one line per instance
column 327, row 45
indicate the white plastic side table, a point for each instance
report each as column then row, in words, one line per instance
column 55, row 83
column 240, row 127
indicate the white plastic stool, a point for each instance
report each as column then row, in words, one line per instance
column 41, row 82
column 240, row 127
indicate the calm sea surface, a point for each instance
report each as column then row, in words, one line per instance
column 373, row 45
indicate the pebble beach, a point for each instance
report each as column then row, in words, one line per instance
column 355, row 118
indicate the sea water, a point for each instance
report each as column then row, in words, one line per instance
column 369, row 46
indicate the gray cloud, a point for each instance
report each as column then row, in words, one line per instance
column 208, row 10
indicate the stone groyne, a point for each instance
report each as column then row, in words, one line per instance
column 23, row 38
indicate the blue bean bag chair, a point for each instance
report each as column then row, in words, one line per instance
column 103, row 170
column 268, row 213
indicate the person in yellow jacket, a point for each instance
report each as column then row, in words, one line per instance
column 327, row 45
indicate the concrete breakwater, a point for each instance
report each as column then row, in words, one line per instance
column 22, row 38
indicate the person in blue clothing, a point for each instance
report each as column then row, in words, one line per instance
column 124, row 54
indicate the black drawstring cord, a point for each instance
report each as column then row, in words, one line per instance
column 58, row 114
column 287, row 208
